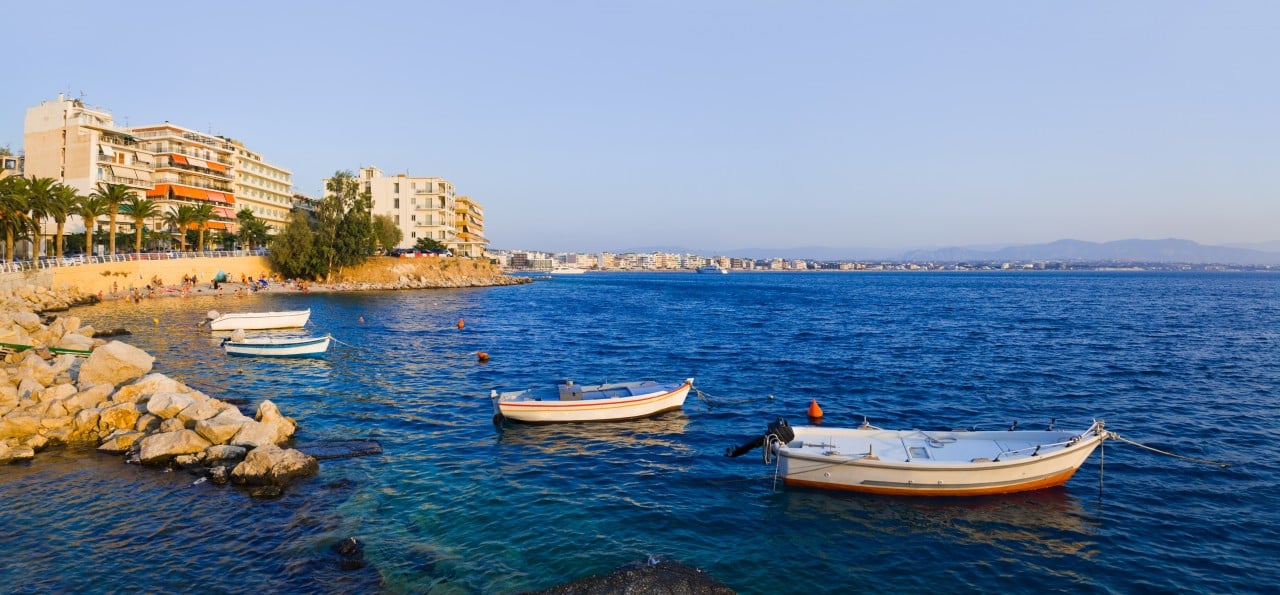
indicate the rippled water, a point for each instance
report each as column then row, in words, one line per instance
column 1183, row 362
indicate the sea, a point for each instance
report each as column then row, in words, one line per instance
column 1186, row 363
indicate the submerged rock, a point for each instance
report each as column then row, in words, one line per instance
column 646, row 576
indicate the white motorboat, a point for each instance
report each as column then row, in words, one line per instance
column 256, row 321
column 567, row 271
column 712, row 269
column 278, row 346
column 571, row 402
column 925, row 463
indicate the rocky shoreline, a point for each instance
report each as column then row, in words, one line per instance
column 113, row 400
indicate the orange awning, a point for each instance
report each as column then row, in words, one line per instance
column 221, row 212
column 186, row 192
column 216, row 166
column 179, row 159
column 215, row 225
column 160, row 190
column 217, row 197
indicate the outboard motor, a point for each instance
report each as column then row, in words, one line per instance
column 778, row 431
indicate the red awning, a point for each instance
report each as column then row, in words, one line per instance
column 221, row 212
column 218, row 197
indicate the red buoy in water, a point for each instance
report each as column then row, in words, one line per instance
column 815, row 412
column 482, row 356
column 460, row 324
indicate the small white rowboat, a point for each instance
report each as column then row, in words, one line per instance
column 920, row 463
column 581, row 403
column 278, row 346
column 256, row 321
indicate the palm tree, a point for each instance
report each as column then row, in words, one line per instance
column 40, row 192
column 203, row 213
column 90, row 208
column 140, row 209
column 180, row 218
column 61, row 205
column 14, row 216
column 113, row 195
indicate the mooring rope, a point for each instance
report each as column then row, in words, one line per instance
column 1115, row 436
column 335, row 340
column 711, row 401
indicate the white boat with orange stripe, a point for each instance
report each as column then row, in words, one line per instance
column 926, row 463
column 571, row 402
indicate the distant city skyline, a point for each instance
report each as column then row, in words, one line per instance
column 723, row 126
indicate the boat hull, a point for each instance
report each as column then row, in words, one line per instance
column 257, row 321
column 592, row 410
column 1009, row 462
column 308, row 348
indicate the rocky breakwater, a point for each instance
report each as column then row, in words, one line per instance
column 113, row 400
column 422, row 273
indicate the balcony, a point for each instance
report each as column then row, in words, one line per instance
column 198, row 183
column 167, row 164
column 130, row 182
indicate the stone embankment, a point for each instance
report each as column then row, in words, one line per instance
column 113, row 400
column 422, row 273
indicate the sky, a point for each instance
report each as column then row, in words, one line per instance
column 717, row 125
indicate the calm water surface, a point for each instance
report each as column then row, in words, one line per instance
column 1183, row 362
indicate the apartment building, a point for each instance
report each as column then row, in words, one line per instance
column 263, row 188
column 191, row 168
column 81, row 146
column 425, row 207
column 10, row 165
column 469, row 221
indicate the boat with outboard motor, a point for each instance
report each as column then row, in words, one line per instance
column 571, row 402
column 925, row 463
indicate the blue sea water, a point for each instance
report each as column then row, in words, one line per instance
column 1185, row 362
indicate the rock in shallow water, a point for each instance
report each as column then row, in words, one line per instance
column 646, row 576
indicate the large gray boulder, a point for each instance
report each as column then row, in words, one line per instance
column 115, row 363
column 254, row 434
column 168, row 405
column 221, row 428
column 272, row 465
column 269, row 414
column 160, row 448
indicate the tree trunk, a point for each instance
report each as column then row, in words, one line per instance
column 61, row 224
column 8, row 245
column 111, row 240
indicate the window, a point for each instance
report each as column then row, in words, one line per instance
column 396, row 189
column 413, row 234
column 397, row 203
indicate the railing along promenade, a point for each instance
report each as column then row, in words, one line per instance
column 71, row 261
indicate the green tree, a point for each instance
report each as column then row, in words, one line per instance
column 429, row 244
column 40, row 193
column 140, row 209
column 90, row 208
column 62, row 205
column 203, row 213
column 252, row 230
column 178, row 219
column 15, row 217
column 113, row 195
column 344, row 226
column 293, row 251
column 387, row 232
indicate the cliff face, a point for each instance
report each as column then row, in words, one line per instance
column 404, row 273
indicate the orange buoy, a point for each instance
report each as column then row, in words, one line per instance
column 460, row 324
column 361, row 319
column 815, row 412
column 482, row 356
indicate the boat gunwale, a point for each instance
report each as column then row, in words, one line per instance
column 1087, row 440
column 588, row 404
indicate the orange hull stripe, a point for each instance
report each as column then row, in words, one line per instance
column 1047, row 482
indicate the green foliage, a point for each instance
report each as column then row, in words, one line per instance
column 341, row 234
column 253, row 231
column 113, row 195
column 15, row 216
column 140, row 209
column 429, row 244
column 386, row 231
column 293, row 252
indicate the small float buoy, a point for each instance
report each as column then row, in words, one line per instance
column 460, row 324
column 482, row 356
column 155, row 320
column 815, row 412
column 361, row 319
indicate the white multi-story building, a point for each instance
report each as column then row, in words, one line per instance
column 425, row 207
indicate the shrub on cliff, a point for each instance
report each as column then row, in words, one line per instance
column 340, row 234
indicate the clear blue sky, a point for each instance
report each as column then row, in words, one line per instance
column 718, row 125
